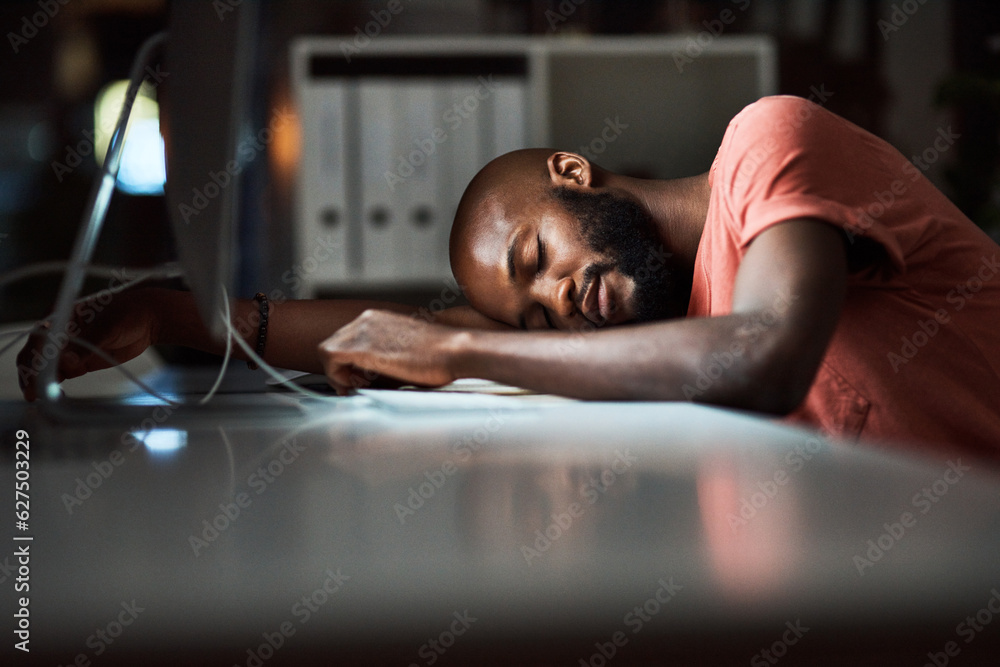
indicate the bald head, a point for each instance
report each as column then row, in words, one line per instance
column 493, row 198
column 541, row 240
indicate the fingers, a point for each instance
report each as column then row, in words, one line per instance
column 27, row 375
column 72, row 364
column 339, row 365
column 26, row 379
column 98, row 336
column 31, row 361
column 39, row 351
column 78, row 360
column 339, row 377
column 347, row 378
column 386, row 344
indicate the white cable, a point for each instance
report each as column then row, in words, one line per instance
column 269, row 369
column 232, row 336
column 103, row 355
column 225, row 358
column 111, row 291
column 18, row 335
column 166, row 270
column 205, row 399
column 127, row 373
column 17, row 332
column 310, row 422
column 232, row 463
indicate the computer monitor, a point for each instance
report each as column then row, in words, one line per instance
column 203, row 114
column 205, row 100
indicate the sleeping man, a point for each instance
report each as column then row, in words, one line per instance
column 812, row 273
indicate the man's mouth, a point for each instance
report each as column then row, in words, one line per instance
column 596, row 303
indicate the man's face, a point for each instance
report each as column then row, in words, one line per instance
column 573, row 260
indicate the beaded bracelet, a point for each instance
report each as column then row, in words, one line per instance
column 261, row 299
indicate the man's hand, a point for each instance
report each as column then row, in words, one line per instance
column 123, row 328
column 389, row 344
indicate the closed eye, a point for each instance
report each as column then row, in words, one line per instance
column 540, row 262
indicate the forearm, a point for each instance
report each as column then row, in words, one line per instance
column 726, row 360
column 294, row 328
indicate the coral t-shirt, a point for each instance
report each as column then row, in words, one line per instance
column 915, row 356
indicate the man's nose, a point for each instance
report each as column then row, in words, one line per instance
column 557, row 296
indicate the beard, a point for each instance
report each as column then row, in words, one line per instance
column 620, row 229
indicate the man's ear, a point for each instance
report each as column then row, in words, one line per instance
column 569, row 169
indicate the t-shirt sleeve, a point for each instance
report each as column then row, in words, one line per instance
column 788, row 158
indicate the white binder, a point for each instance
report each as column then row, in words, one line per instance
column 509, row 116
column 418, row 155
column 322, row 231
column 462, row 152
column 381, row 200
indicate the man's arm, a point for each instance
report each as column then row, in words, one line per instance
column 763, row 356
column 294, row 328
column 133, row 320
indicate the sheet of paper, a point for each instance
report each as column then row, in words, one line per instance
column 299, row 377
column 467, row 394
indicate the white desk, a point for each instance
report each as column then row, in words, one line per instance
column 659, row 533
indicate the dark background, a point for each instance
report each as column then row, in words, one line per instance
column 938, row 69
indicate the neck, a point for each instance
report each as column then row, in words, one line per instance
column 678, row 208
